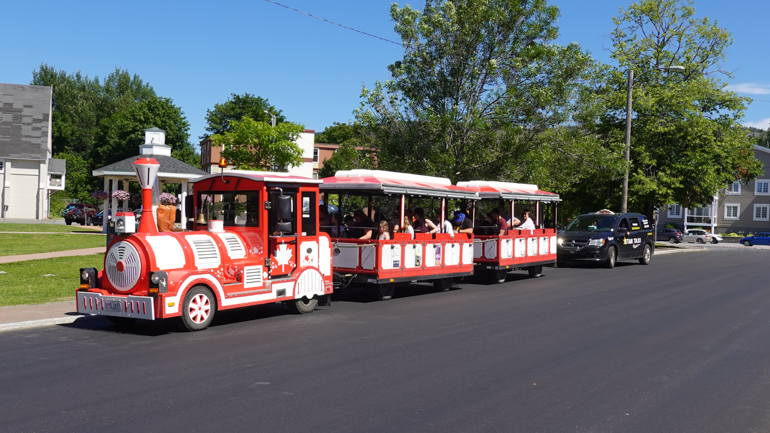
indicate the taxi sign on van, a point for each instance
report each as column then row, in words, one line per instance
column 605, row 212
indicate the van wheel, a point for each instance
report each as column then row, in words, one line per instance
column 303, row 305
column 646, row 256
column 535, row 271
column 612, row 256
column 384, row 292
column 198, row 309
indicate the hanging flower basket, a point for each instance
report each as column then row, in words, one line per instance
column 121, row 195
column 99, row 194
column 167, row 199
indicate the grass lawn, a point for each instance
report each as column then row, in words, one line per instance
column 12, row 244
column 52, row 228
column 24, row 283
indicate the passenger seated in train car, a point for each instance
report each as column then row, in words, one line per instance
column 422, row 224
column 405, row 227
column 499, row 221
column 446, row 226
column 525, row 223
column 384, row 231
column 338, row 226
column 323, row 216
column 364, row 225
column 462, row 222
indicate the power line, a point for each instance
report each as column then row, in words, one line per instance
column 332, row 22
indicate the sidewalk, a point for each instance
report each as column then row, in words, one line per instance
column 38, row 256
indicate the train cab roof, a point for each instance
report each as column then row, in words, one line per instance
column 394, row 183
column 261, row 176
column 510, row 191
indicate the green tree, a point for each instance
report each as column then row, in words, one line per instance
column 253, row 145
column 338, row 133
column 96, row 123
column 480, row 86
column 686, row 138
column 218, row 120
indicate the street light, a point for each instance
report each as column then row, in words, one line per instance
column 272, row 118
column 624, row 204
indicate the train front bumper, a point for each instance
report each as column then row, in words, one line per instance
column 135, row 307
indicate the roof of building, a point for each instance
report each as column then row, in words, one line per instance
column 169, row 168
column 25, row 113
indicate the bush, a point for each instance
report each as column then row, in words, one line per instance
column 671, row 226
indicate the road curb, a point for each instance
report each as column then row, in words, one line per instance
column 40, row 323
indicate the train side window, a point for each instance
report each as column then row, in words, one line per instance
column 282, row 227
column 309, row 209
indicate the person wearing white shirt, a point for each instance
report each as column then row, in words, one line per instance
column 526, row 222
column 446, row 227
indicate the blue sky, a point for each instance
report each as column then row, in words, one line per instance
column 198, row 53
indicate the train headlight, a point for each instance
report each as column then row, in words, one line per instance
column 120, row 226
column 88, row 278
column 158, row 282
column 155, row 279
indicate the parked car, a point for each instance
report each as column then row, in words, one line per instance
column 99, row 218
column 673, row 236
column 715, row 238
column 698, row 236
column 81, row 213
column 758, row 239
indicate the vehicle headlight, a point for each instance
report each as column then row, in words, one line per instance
column 596, row 242
column 155, row 279
column 560, row 241
column 84, row 274
column 120, row 226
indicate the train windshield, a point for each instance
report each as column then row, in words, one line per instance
column 593, row 223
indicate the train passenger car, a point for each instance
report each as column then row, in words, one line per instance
column 255, row 241
column 496, row 254
column 376, row 196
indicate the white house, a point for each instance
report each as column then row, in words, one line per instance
column 29, row 174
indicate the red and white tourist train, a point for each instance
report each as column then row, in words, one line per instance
column 260, row 237
column 256, row 241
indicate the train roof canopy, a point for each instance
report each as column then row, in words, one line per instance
column 262, row 176
column 394, row 183
column 509, row 190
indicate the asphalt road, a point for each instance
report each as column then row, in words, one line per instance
column 679, row 346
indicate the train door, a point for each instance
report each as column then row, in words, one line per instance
column 282, row 231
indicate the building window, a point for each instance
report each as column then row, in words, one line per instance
column 315, row 154
column 2, row 166
column 315, row 175
column 733, row 188
column 762, row 187
column 762, row 212
column 55, row 180
column 674, row 211
column 732, row 211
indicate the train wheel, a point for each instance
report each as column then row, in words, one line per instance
column 443, row 284
column 498, row 276
column 303, row 305
column 383, row 292
column 535, row 271
column 198, row 309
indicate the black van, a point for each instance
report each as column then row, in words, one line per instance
column 606, row 237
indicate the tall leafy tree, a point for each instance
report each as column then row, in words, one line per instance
column 96, row 123
column 686, row 138
column 253, row 145
column 338, row 133
column 236, row 108
column 479, row 87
